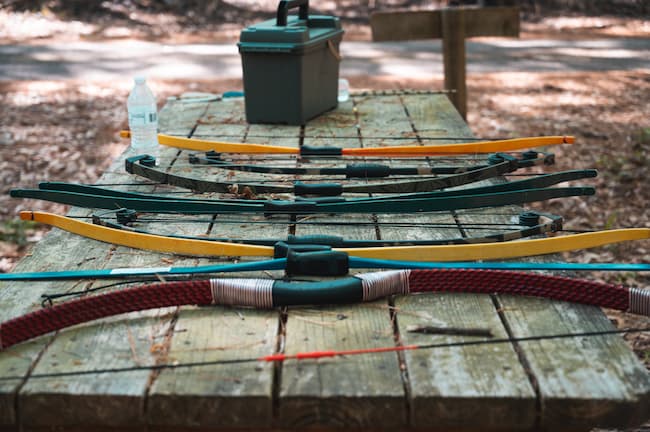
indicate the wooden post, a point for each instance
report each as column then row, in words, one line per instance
column 453, row 51
column 453, row 26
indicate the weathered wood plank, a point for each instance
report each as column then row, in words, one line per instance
column 545, row 384
column 564, row 372
column 110, row 399
column 452, row 388
column 584, row 381
column 340, row 392
column 454, row 31
column 19, row 298
column 405, row 25
column 566, row 382
column 431, row 118
column 235, row 395
column 180, row 118
column 381, row 118
column 410, row 25
column 325, row 129
column 107, row 399
column 452, row 25
column 436, row 394
column 359, row 392
column 415, row 114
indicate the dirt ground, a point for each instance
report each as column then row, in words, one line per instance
column 68, row 130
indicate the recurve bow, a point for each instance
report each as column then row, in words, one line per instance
column 144, row 166
column 461, row 252
column 269, row 293
column 403, row 150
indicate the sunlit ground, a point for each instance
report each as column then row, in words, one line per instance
column 39, row 27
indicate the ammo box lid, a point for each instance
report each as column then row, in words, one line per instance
column 300, row 33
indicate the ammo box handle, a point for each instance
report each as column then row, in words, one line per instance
column 285, row 5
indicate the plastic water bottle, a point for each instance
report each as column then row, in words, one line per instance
column 344, row 90
column 143, row 119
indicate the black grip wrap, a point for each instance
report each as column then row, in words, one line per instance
column 306, row 150
column 346, row 290
column 281, row 249
column 288, row 207
column 330, row 263
column 367, row 171
column 316, row 239
column 321, row 189
column 211, row 154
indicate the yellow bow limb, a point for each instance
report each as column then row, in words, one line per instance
column 407, row 150
column 462, row 252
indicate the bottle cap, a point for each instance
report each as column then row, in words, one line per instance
column 140, row 80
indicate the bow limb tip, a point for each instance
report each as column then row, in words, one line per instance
column 568, row 139
column 125, row 134
column 26, row 215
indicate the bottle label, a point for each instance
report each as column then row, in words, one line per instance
column 142, row 116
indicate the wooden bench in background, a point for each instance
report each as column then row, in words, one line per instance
column 453, row 25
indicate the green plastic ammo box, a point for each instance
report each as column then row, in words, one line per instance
column 291, row 65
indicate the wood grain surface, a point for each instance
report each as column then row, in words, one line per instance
column 572, row 384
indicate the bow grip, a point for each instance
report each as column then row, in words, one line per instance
column 320, row 189
column 346, row 290
column 307, row 150
column 319, row 263
column 367, row 170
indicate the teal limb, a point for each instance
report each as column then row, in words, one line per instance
column 494, row 265
column 280, row 264
column 120, row 273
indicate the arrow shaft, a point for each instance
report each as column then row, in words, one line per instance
column 280, row 263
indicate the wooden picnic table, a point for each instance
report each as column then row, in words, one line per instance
column 567, row 384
